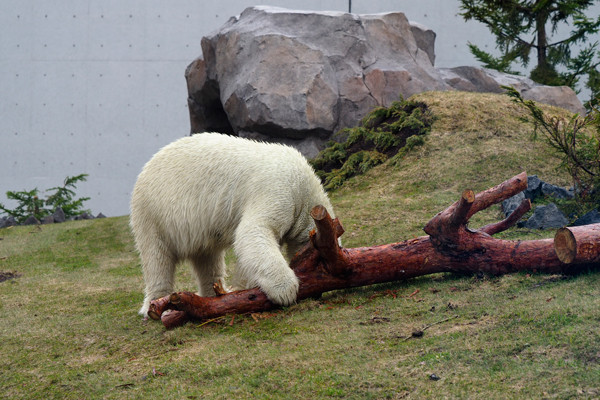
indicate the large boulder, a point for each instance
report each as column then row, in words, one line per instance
column 299, row 76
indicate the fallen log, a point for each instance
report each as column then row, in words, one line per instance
column 451, row 246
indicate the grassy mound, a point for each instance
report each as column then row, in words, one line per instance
column 69, row 327
column 476, row 141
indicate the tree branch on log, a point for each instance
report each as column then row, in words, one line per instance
column 322, row 265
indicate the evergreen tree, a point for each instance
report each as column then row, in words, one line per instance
column 525, row 26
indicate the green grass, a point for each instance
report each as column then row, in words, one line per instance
column 69, row 327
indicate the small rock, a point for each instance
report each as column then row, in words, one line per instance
column 48, row 219
column 59, row 215
column 417, row 334
column 556, row 191
column 534, row 187
column 434, row 377
column 509, row 205
column 100, row 215
column 31, row 220
column 85, row 215
column 592, row 217
column 545, row 217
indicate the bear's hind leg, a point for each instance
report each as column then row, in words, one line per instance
column 209, row 269
column 261, row 263
column 158, row 266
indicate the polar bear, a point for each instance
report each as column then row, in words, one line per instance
column 204, row 193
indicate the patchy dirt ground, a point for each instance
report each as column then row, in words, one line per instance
column 7, row 275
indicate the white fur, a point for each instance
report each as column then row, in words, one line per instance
column 202, row 194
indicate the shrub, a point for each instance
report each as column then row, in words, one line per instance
column 383, row 133
column 29, row 203
column 577, row 145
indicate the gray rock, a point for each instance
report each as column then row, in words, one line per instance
column 470, row 79
column 48, row 219
column 592, row 217
column 59, row 215
column 84, row 215
column 9, row 221
column 559, row 96
column 301, row 76
column 545, row 217
column 534, row 187
column 100, row 215
column 556, row 191
column 31, row 220
column 509, row 205
column 474, row 79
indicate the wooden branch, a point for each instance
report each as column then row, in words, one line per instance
column 325, row 239
column 238, row 302
column 322, row 266
column 510, row 221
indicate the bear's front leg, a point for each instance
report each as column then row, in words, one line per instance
column 261, row 263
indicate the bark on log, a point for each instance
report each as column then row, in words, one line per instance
column 322, row 266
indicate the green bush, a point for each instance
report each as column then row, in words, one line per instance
column 577, row 143
column 29, row 203
column 383, row 133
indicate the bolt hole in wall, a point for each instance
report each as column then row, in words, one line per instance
column 97, row 87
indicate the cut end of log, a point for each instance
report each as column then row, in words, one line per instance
column 468, row 196
column 565, row 245
column 318, row 212
column 153, row 315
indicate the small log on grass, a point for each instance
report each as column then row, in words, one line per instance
column 451, row 246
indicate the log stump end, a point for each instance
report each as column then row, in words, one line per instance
column 565, row 245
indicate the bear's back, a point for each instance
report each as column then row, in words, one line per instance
column 206, row 182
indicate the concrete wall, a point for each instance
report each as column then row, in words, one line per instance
column 97, row 86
